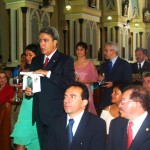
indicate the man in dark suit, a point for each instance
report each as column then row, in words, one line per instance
column 140, row 66
column 132, row 131
column 89, row 131
column 58, row 72
column 115, row 70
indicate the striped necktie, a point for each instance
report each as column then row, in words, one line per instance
column 46, row 62
column 69, row 131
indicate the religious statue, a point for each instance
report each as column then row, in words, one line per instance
column 147, row 16
column 125, row 8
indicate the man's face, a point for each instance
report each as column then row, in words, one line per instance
column 128, row 108
column 47, row 44
column 109, row 53
column 140, row 56
column 73, row 103
column 146, row 83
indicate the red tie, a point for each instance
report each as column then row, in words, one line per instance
column 46, row 62
column 130, row 134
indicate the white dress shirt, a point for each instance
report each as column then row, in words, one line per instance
column 50, row 56
column 76, row 121
column 137, row 123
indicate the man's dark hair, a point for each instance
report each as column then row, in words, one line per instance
column 85, row 92
column 146, row 74
column 140, row 49
column 139, row 94
column 83, row 45
column 50, row 31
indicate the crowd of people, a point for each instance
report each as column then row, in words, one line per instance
column 62, row 115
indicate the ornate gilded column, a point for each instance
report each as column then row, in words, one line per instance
column 68, row 38
column 81, row 24
column 9, row 28
column 131, row 45
column 116, row 29
column 64, row 32
column 101, row 45
column 24, row 11
column 90, row 50
column 140, row 33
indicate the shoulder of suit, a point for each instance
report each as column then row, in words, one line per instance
column 95, row 118
column 120, row 120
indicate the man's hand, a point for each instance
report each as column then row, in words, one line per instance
column 40, row 71
column 100, row 78
column 28, row 91
column 108, row 85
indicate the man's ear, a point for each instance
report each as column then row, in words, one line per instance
column 85, row 102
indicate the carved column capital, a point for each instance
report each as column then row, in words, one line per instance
column 24, row 10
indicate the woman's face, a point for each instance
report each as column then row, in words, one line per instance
column 3, row 79
column 116, row 95
column 80, row 51
column 23, row 59
column 29, row 56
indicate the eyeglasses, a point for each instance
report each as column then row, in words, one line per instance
column 125, row 101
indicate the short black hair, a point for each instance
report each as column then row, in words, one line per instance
column 139, row 94
column 146, row 74
column 141, row 49
column 82, row 44
column 85, row 92
column 34, row 48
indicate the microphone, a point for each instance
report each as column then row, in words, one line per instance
column 81, row 145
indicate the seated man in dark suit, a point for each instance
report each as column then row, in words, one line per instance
column 140, row 66
column 88, row 131
column 132, row 131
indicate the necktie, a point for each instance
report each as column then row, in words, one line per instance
column 139, row 66
column 46, row 62
column 110, row 65
column 69, row 131
column 130, row 135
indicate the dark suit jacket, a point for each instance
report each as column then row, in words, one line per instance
column 90, row 134
column 48, row 103
column 117, row 139
column 120, row 73
column 145, row 68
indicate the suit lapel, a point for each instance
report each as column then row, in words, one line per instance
column 81, row 130
column 115, row 66
column 124, row 136
column 142, row 135
column 53, row 60
column 63, row 131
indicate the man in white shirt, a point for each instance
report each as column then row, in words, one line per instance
column 133, row 109
column 88, row 130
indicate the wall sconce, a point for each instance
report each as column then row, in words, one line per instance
column 109, row 18
column 68, row 7
column 136, row 24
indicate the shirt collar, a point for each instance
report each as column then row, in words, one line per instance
column 50, row 56
column 77, row 118
column 142, row 63
column 114, row 60
column 139, row 120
